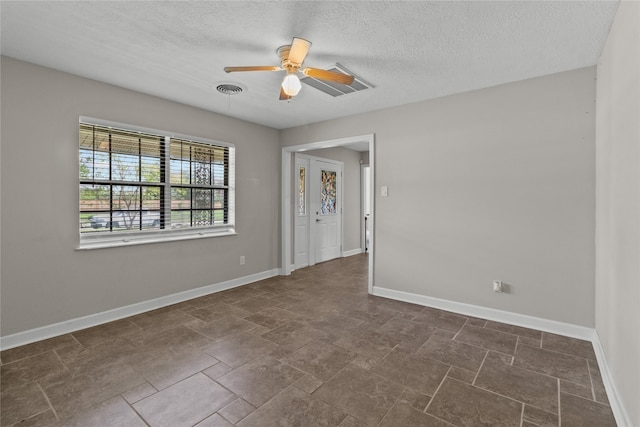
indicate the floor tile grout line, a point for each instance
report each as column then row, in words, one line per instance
column 54, row 348
column 498, row 394
column 46, row 396
column 513, row 359
column 567, row 354
column 426, row 408
column 595, row 402
column 391, row 406
column 190, row 376
column 229, row 404
column 480, row 368
column 61, row 361
column 562, row 353
column 385, row 356
column 593, row 392
column 535, row 407
column 490, row 329
column 33, row 416
column 135, row 410
column 547, row 375
column 459, row 330
column 512, row 333
column 329, row 403
column 541, row 340
column 469, row 344
column 559, row 405
column 149, row 384
column 508, row 397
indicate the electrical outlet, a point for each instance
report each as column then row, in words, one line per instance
column 242, row 260
column 497, row 286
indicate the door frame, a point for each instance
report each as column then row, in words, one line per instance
column 287, row 200
column 363, row 221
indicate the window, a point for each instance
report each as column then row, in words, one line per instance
column 302, row 197
column 199, row 193
column 141, row 185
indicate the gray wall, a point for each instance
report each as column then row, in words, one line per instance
column 618, row 205
column 492, row 184
column 44, row 280
column 351, row 184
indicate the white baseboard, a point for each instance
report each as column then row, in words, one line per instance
column 552, row 326
column 292, row 268
column 72, row 325
column 352, row 252
column 575, row 331
column 511, row 318
column 619, row 412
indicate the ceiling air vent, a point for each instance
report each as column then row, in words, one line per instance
column 338, row 89
column 230, row 89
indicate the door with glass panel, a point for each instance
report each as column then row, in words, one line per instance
column 301, row 222
column 326, row 218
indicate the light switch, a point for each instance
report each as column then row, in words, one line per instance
column 384, row 191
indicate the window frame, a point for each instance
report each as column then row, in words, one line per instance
column 97, row 240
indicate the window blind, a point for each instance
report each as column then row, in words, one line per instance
column 133, row 181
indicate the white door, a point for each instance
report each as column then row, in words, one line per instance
column 301, row 231
column 326, row 226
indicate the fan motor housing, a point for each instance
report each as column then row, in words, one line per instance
column 283, row 54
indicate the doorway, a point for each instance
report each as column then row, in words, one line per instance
column 318, row 218
column 290, row 201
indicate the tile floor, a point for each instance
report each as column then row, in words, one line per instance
column 312, row 349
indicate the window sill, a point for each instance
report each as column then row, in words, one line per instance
column 120, row 241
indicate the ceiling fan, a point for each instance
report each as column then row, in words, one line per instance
column 291, row 58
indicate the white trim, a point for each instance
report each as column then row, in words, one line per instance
column 291, row 269
column 617, row 407
column 141, row 239
column 286, row 193
column 560, row 328
column 372, row 215
column 352, row 252
column 285, row 219
column 101, row 240
column 72, row 325
column 363, row 218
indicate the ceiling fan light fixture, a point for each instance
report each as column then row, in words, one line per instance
column 291, row 84
column 291, row 59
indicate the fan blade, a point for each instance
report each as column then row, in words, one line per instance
column 299, row 50
column 317, row 73
column 284, row 96
column 257, row 68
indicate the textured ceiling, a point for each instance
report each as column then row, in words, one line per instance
column 410, row 51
